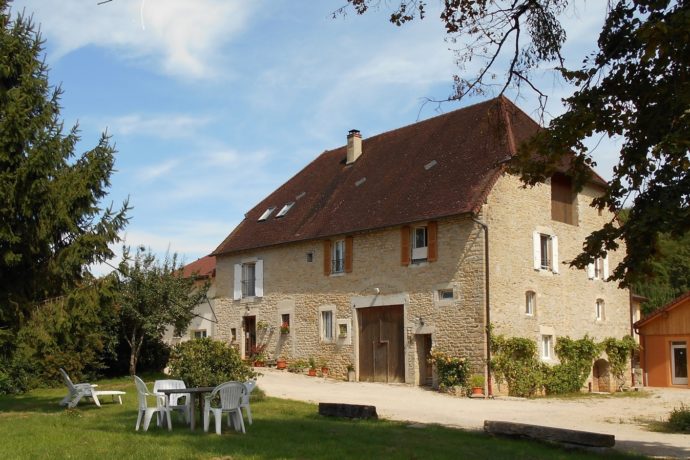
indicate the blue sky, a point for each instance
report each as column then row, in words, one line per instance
column 212, row 104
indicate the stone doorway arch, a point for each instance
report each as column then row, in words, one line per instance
column 601, row 377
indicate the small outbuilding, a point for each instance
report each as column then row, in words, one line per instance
column 664, row 337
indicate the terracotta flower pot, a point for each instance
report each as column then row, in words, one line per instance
column 281, row 364
column 312, row 373
column 478, row 391
column 324, row 371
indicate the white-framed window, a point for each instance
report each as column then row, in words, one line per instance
column 420, row 244
column 200, row 334
column 545, row 251
column 343, row 331
column 599, row 310
column 530, row 303
column 249, row 279
column 327, row 325
column 546, row 347
column 338, row 256
column 599, row 270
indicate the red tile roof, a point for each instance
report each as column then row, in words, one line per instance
column 201, row 268
column 435, row 168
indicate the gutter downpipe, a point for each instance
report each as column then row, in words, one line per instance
column 486, row 301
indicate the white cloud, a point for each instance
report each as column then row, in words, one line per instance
column 164, row 126
column 182, row 37
column 153, row 172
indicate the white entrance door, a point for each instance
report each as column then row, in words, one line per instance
column 679, row 363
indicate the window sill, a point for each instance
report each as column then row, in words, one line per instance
column 337, row 274
column 419, row 263
column 248, row 299
column 444, row 303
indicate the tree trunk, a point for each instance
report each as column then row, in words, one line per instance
column 135, row 344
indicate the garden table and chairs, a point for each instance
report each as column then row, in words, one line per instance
column 195, row 393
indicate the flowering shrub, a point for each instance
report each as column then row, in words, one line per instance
column 451, row 371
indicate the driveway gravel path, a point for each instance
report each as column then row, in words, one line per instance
column 620, row 416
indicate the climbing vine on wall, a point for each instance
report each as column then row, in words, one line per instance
column 619, row 352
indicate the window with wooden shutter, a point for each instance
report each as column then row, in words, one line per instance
column 327, row 257
column 348, row 254
column 562, row 199
column 405, row 246
column 432, row 232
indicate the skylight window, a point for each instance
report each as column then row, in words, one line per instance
column 285, row 209
column 360, row 182
column 267, row 213
column 430, row 164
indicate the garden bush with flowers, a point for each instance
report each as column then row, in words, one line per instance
column 451, row 371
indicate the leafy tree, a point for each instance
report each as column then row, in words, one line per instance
column 207, row 363
column 153, row 296
column 51, row 225
column 635, row 86
column 74, row 332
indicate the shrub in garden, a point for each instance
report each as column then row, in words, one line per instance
column 451, row 371
column 576, row 357
column 679, row 420
column 207, row 363
column 515, row 362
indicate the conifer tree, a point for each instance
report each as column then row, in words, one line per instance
column 52, row 227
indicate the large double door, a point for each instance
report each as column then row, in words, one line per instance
column 381, row 344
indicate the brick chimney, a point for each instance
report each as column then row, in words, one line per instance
column 354, row 145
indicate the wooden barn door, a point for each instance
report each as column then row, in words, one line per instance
column 381, row 344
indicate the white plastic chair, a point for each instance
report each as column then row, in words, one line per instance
column 249, row 385
column 146, row 411
column 230, row 394
column 173, row 400
column 76, row 391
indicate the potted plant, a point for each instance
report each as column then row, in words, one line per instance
column 285, row 328
column 324, row 367
column 477, row 384
column 312, row 367
column 351, row 376
column 261, row 325
column 281, row 363
column 258, row 355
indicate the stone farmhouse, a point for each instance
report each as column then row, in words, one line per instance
column 417, row 238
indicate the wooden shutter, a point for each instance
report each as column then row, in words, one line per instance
column 405, row 245
column 606, row 267
column 554, row 253
column 237, row 294
column 432, row 241
column 259, row 278
column 327, row 257
column 536, row 250
column 348, row 254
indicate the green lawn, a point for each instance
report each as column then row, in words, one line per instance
column 34, row 426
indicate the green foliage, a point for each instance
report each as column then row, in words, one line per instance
column 477, row 380
column 514, row 361
column 576, row 357
column 668, row 274
column 297, row 366
column 51, row 225
column 451, row 371
column 207, row 363
column 679, row 420
column 619, row 352
column 153, row 295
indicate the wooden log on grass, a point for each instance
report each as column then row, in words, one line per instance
column 547, row 433
column 347, row 410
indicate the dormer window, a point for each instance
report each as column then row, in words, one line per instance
column 267, row 213
column 284, row 210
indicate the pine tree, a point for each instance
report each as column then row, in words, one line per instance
column 51, row 225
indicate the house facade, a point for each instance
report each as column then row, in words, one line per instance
column 415, row 239
column 203, row 324
column 664, row 337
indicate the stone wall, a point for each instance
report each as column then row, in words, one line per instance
column 565, row 302
column 294, row 285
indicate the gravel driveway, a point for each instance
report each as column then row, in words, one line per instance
column 617, row 416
